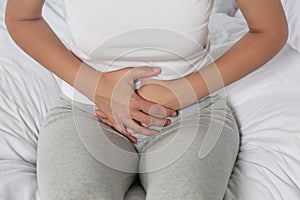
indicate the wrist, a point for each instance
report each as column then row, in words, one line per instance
column 198, row 84
column 185, row 92
column 87, row 80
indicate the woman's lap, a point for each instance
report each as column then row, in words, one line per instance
column 78, row 156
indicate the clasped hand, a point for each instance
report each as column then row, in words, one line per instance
column 122, row 108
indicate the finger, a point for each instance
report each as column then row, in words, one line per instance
column 130, row 131
column 155, row 110
column 136, row 128
column 124, row 132
column 118, row 128
column 130, row 137
column 144, row 125
column 148, row 120
column 145, row 81
column 107, row 122
column 99, row 113
column 144, row 72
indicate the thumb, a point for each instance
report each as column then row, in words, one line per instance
column 144, row 72
column 145, row 81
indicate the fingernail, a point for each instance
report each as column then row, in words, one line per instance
column 94, row 113
column 168, row 122
column 144, row 125
column 174, row 114
column 156, row 69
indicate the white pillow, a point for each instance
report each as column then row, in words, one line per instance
column 292, row 11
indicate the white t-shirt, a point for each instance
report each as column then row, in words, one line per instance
column 114, row 34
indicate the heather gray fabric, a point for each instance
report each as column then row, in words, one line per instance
column 82, row 159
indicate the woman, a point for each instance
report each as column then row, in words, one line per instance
column 185, row 156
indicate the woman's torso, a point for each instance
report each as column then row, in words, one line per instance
column 114, row 34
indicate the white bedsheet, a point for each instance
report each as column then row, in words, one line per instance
column 266, row 104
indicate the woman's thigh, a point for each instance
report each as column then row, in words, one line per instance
column 68, row 162
column 194, row 157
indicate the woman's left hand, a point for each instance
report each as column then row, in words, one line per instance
column 161, row 92
column 175, row 94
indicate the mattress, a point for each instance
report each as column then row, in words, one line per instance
column 266, row 104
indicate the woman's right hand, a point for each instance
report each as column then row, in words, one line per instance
column 116, row 98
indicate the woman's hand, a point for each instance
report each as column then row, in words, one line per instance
column 160, row 92
column 123, row 109
column 174, row 94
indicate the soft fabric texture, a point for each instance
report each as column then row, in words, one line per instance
column 27, row 92
column 267, row 106
column 82, row 159
column 292, row 11
column 228, row 7
column 265, row 103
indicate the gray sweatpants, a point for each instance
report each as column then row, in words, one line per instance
column 80, row 158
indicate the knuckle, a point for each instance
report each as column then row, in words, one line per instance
column 148, row 121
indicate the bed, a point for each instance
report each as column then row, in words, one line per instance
column 266, row 104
